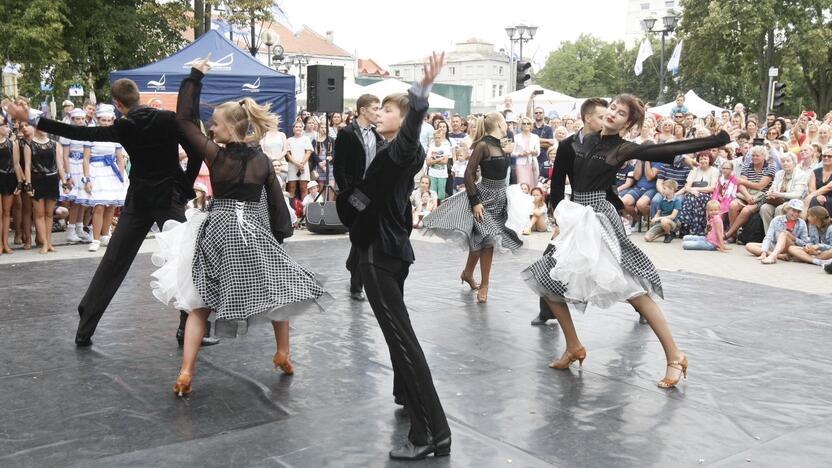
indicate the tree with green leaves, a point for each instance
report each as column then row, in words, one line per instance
column 81, row 41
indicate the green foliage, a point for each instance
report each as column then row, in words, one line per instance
column 81, row 41
column 729, row 46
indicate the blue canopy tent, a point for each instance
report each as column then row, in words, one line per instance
column 235, row 74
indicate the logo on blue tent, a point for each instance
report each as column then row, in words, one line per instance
column 252, row 87
column 221, row 64
column 157, row 85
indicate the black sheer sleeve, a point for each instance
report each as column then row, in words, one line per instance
column 279, row 218
column 479, row 153
column 667, row 152
column 78, row 132
column 198, row 146
column 564, row 160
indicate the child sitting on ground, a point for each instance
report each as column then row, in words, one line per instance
column 665, row 221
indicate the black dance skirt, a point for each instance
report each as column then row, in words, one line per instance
column 8, row 183
column 46, row 186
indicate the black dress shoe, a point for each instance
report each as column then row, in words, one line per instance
column 206, row 340
column 357, row 296
column 82, row 342
column 209, row 341
column 409, row 451
column 539, row 321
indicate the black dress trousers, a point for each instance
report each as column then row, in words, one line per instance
column 132, row 228
column 356, row 285
column 384, row 285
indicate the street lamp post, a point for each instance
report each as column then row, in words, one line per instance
column 670, row 21
column 523, row 34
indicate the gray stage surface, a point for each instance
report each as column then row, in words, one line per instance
column 757, row 393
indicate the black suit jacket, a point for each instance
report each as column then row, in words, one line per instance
column 564, row 167
column 151, row 138
column 350, row 160
column 387, row 221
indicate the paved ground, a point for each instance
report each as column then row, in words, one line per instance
column 737, row 264
column 755, row 397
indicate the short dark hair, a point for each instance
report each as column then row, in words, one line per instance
column 125, row 91
column 592, row 103
column 636, row 110
column 365, row 100
column 744, row 135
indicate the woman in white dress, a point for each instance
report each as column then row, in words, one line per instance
column 275, row 147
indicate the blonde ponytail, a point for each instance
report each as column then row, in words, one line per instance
column 250, row 121
column 486, row 125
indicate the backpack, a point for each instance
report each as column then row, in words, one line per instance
column 752, row 231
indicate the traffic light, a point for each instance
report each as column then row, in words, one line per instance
column 522, row 75
column 777, row 95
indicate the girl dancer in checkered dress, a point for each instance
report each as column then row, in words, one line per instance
column 478, row 215
column 228, row 260
column 592, row 260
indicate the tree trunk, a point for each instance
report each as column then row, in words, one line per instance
column 199, row 18
column 207, row 17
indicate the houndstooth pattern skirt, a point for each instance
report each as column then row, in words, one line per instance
column 454, row 220
column 636, row 275
column 227, row 259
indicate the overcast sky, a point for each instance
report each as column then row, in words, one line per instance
column 385, row 31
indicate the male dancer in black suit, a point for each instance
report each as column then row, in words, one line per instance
column 158, row 190
column 355, row 148
column 592, row 115
column 380, row 225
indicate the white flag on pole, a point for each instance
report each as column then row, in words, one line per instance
column 673, row 64
column 643, row 52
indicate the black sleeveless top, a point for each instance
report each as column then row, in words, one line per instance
column 6, row 157
column 43, row 158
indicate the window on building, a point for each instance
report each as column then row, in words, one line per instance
column 501, row 73
column 452, row 70
column 397, row 73
column 645, row 6
column 670, row 4
column 501, row 90
column 493, row 90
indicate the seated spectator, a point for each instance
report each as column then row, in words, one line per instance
column 818, row 250
column 713, row 239
column 425, row 207
column 725, row 190
column 665, row 220
column 311, row 194
column 637, row 200
column 785, row 231
column 755, row 181
column 201, row 199
column 539, row 220
column 624, row 177
column 698, row 189
column 789, row 184
column 424, row 187
column 677, row 171
column 820, row 183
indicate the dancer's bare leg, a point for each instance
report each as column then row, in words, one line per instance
column 281, row 337
column 561, row 312
column 486, row 257
column 194, row 331
column 648, row 308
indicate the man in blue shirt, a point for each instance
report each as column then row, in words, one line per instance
column 546, row 135
column 677, row 171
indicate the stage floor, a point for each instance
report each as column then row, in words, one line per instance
column 756, row 394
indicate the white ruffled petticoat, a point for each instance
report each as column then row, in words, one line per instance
column 519, row 206
column 586, row 261
column 173, row 282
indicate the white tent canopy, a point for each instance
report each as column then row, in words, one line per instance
column 549, row 101
column 694, row 103
column 391, row 86
column 351, row 93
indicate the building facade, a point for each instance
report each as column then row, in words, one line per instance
column 637, row 10
column 475, row 63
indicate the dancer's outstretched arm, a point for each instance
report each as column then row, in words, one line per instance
column 406, row 144
column 20, row 112
column 197, row 145
column 667, row 152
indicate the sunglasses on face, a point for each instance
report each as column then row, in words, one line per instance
column 537, row 113
column 827, row 156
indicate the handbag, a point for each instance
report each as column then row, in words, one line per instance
column 322, row 216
